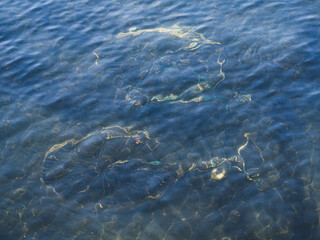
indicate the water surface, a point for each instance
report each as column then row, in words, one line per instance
column 159, row 119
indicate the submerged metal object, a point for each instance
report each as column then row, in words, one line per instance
column 238, row 99
column 116, row 159
column 77, row 166
column 221, row 166
column 202, row 72
column 196, row 39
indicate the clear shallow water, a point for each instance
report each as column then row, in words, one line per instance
column 66, row 73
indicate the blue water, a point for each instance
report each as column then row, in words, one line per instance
column 159, row 119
